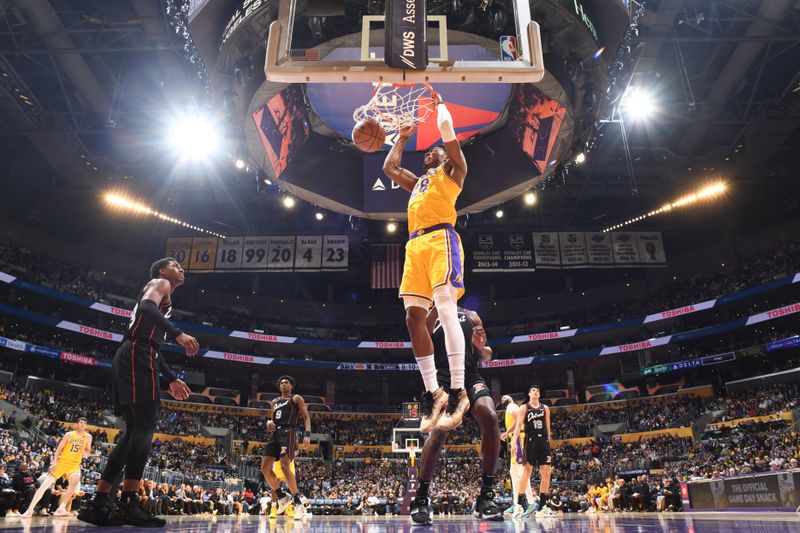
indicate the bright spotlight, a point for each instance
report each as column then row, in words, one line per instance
column 239, row 163
column 499, row 213
column 580, row 158
column 319, row 216
column 288, row 202
column 638, row 104
column 391, row 227
column 195, row 138
column 530, row 198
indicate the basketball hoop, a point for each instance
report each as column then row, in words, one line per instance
column 397, row 105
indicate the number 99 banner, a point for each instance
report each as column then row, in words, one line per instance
column 262, row 253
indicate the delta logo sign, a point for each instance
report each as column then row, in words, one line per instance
column 473, row 106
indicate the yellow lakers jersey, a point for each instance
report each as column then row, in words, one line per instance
column 73, row 448
column 511, row 419
column 433, row 200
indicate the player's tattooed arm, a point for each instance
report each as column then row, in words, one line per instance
column 391, row 166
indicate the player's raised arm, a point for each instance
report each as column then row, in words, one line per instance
column 456, row 165
column 391, row 166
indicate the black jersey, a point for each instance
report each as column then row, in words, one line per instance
column 440, row 350
column 284, row 412
column 142, row 328
column 535, row 423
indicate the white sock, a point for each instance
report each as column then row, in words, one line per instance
column 456, row 363
column 427, row 367
column 454, row 341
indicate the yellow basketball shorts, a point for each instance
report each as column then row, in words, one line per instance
column 432, row 260
column 67, row 469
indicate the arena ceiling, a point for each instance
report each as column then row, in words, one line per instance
column 87, row 86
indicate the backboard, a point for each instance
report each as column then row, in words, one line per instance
column 350, row 41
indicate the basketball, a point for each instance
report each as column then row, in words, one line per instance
column 368, row 135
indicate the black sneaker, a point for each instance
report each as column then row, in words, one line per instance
column 487, row 509
column 99, row 513
column 132, row 514
column 421, row 510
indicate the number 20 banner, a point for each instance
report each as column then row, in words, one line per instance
column 280, row 253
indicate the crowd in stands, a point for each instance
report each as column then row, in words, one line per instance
column 759, row 402
column 781, row 259
column 374, row 483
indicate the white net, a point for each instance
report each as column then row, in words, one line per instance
column 396, row 106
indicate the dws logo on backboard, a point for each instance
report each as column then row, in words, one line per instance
column 382, row 195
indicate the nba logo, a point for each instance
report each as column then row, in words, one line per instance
column 508, row 48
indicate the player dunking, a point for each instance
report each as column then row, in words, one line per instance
column 535, row 418
column 286, row 410
column 66, row 462
column 482, row 409
column 434, row 266
column 137, row 399
column 517, row 459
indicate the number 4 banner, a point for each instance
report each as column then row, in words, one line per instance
column 308, row 253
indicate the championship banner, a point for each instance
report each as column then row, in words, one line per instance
column 406, row 45
column 204, row 254
column 503, row 252
column 548, row 253
column 626, row 249
column 573, row 249
column 651, row 248
column 599, row 250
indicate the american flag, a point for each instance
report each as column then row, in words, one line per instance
column 304, row 54
column 387, row 266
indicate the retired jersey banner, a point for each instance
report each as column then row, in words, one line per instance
column 548, row 253
column 280, row 253
column 573, row 249
column 502, row 252
column 651, row 248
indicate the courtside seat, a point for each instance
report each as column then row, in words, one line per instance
column 566, row 401
column 199, row 398
column 259, row 404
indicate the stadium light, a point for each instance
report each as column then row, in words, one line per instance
column 638, row 104
column 121, row 202
column 288, row 202
column 499, row 213
column 195, row 137
column 580, row 158
column 530, row 198
column 705, row 193
column 239, row 163
column 319, row 216
column 391, row 227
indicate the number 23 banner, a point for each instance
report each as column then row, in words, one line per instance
column 305, row 253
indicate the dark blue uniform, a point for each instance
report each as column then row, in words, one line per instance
column 283, row 440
